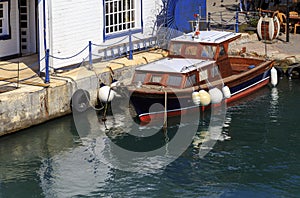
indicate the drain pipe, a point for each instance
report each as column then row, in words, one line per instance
column 44, row 20
column 47, row 78
column 287, row 21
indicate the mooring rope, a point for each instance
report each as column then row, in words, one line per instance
column 165, row 110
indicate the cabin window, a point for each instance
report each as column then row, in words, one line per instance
column 155, row 78
column 175, row 48
column 121, row 16
column 190, row 50
column 4, row 20
column 208, row 51
column 139, row 77
column 174, row 81
column 191, row 80
column 222, row 51
column 203, row 75
column 214, row 71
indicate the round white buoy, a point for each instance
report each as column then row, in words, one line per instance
column 105, row 94
column 204, row 97
column 274, row 77
column 226, row 92
column 216, row 95
column 196, row 98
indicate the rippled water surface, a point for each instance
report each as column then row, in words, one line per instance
column 258, row 155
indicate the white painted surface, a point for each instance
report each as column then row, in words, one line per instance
column 70, row 25
column 74, row 23
column 11, row 46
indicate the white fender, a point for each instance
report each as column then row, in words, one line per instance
column 115, row 84
column 216, row 95
column 259, row 27
column 196, row 98
column 226, row 92
column 204, row 98
column 271, row 28
column 277, row 25
column 274, row 77
column 106, row 94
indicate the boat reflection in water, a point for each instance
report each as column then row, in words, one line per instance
column 130, row 147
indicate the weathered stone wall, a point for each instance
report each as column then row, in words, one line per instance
column 32, row 105
column 22, row 109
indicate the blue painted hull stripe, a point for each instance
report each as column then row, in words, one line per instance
column 250, row 86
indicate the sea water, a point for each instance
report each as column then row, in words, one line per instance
column 256, row 155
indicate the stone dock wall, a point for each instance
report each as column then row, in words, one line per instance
column 36, row 105
column 31, row 105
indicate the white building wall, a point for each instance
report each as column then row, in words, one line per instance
column 151, row 9
column 11, row 46
column 73, row 23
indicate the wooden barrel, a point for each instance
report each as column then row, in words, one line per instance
column 268, row 28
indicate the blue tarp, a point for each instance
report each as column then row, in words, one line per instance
column 179, row 12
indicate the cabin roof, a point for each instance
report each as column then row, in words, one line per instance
column 208, row 37
column 175, row 65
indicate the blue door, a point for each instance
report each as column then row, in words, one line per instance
column 180, row 12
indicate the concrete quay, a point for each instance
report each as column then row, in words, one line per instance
column 284, row 53
column 35, row 102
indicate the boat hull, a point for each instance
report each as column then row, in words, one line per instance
column 181, row 103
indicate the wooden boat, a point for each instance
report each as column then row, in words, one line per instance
column 196, row 65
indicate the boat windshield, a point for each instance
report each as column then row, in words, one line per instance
column 139, row 77
column 192, row 50
column 174, row 81
column 191, row 80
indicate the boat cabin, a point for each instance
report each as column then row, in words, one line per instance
column 176, row 72
column 191, row 61
column 206, row 45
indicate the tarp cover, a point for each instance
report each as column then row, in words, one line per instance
column 180, row 12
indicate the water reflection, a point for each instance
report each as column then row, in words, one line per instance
column 72, row 173
column 19, row 152
column 274, row 105
column 51, row 160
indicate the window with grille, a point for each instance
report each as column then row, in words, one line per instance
column 4, row 19
column 121, row 15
